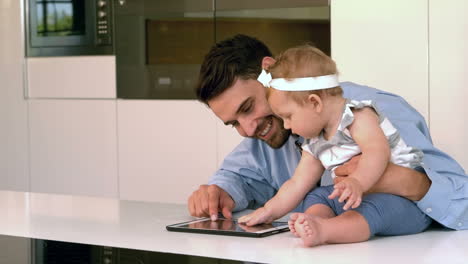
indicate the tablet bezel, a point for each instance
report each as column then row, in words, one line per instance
column 180, row 227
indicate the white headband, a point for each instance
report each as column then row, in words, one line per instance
column 305, row 84
column 264, row 78
column 299, row 84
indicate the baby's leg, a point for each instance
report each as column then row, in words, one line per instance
column 378, row 214
column 390, row 215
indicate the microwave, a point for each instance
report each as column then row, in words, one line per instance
column 69, row 27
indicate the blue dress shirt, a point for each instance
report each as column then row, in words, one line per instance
column 253, row 172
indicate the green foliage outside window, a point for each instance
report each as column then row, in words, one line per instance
column 57, row 25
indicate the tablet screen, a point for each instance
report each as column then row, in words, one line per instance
column 229, row 227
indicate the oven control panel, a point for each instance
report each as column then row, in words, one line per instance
column 103, row 22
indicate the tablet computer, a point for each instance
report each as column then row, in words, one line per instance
column 229, row 227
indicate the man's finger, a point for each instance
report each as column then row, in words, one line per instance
column 191, row 206
column 341, row 171
column 203, row 202
column 213, row 201
column 227, row 204
column 227, row 212
column 348, row 167
column 195, row 204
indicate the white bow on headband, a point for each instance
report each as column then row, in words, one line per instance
column 299, row 84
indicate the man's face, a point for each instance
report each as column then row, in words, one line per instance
column 245, row 107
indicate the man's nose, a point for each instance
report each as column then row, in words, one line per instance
column 248, row 125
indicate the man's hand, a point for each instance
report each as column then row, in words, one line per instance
column 208, row 200
column 346, row 169
column 397, row 180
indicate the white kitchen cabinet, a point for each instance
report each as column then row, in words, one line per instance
column 448, row 65
column 73, row 147
column 383, row 44
column 14, row 170
column 71, row 77
column 167, row 148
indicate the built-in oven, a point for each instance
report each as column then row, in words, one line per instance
column 160, row 44
column 69, row 27
column 58, row 252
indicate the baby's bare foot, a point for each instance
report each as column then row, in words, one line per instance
column 309, row 229
column 292, row 222
column 292, row 228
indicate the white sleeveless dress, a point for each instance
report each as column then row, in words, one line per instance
column 342, row 147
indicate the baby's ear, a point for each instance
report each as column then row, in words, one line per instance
column 315, row 101
column 267, row 62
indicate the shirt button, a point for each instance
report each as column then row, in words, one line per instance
column 428, row 210
column 459, row 224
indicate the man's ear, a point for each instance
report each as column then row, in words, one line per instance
column 315, row 101
column 267, row 62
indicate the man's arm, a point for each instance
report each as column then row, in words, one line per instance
column 249, row 176
column 398, row 180
column 444, row 195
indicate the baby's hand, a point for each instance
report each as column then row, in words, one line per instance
column 349, row 190
column 259, row 216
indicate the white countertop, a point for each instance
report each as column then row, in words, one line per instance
column 141, row 225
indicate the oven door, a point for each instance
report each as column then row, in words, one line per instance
column 49, row 252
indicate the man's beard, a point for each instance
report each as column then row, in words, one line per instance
column 281, row 135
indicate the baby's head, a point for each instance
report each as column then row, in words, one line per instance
column 304, row 61
column 295, row 96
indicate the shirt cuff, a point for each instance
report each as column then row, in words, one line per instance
column 437, row 200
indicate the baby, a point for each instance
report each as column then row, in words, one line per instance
column 306, row 94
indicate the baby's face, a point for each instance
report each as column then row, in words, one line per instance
column 302, row 119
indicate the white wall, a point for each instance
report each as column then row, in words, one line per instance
column 383, row 44
column 448, row 67
column 416, row 49
column 14, row 170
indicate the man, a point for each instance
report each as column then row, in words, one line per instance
column 267, row 157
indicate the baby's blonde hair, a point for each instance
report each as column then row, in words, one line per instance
column 304, row 61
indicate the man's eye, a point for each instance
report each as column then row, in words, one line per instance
column 247, row 109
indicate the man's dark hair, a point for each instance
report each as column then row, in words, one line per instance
column 236, row 57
